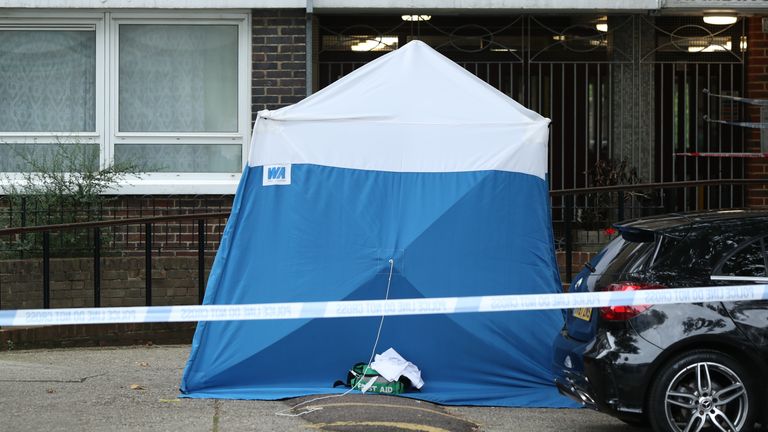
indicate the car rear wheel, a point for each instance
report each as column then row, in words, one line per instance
column 702, row 391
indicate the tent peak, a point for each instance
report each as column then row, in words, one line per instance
column 412, row 84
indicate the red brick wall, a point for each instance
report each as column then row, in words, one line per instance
column 174, row 282
column 279, row 50
column 579, row 259
column 757, row 87
column 169, row 239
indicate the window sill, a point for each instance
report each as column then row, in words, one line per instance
column 180, row 184
column 164, row 184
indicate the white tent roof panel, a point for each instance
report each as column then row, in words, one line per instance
column 429, row 115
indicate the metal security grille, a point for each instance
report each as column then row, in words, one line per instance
column 625, row 93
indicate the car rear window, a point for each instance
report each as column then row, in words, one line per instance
column 623, row 256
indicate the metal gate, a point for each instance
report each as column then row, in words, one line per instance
column 625, row 93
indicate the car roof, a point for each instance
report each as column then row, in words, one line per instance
column 676, row 220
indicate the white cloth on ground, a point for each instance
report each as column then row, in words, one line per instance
column 392, row 366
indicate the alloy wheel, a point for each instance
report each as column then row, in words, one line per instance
column 706, row 396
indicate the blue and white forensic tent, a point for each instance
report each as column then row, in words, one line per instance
column 409, row 158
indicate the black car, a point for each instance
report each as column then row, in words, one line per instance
column 679, row 367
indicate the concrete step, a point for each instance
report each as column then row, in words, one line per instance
column 12, row 338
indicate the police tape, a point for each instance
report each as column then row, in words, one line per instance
column 375, row 308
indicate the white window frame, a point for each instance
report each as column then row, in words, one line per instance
column 106, row 25
column 37, row 22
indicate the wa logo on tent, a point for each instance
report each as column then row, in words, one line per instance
column 276, row 175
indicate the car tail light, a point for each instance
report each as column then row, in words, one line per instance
column 623, row 313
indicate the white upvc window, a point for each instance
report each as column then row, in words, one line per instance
column 167, row 90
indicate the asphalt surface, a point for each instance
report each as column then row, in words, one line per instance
column 136, row 389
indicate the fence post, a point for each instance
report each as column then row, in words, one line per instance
column 568, row 217
column 22, row 222
column 200, row 260
column 148, row 263
column 96, row 267
column 46, row 270
column 670, row 198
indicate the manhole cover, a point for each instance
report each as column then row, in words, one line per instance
column 357, row 412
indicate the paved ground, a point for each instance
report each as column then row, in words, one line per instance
column 135, row 389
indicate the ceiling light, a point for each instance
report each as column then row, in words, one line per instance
column 710, row 48
column 376, row 44
column 720, row 19
column 602, row 24
column 416, row 17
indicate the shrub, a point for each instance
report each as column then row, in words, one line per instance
column 601, row 206
column 66, row 186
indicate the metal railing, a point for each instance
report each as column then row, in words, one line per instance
column 201, row 220
column 97, row 227
column 171, row 237
column 621, row 191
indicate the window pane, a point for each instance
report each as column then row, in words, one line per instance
column 59, row 157
column 178, row 78
column 48, row 81
column 182, row 157
column 747, row 262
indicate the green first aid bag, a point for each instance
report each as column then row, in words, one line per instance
column 361, row 375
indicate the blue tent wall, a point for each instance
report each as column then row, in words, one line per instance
column 328, row 236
